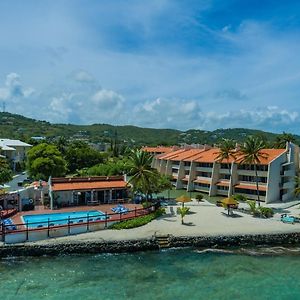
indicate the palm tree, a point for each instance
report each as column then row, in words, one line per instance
column 284, row 138
column 252, row 154
column 227, row 152
column 142, row 175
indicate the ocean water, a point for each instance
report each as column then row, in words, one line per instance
column 271, row 273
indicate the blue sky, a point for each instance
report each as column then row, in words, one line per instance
column 162, row 64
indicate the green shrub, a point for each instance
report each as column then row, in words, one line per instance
column 146, row 204
column 139, row 221
column 266, row 212
column 199, row 197
column 239, row 197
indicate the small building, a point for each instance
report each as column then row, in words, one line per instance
column 87, row 191
column 14, row 151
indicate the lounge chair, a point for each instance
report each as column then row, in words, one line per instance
column 120, row 209
column 288, row 219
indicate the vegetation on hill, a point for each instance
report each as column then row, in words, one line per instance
column 5, row 171
column 20, row 127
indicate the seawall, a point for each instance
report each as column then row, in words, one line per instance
column 94, row 247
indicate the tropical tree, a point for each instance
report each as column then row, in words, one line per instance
column 5, row 171
column 142, row 175
column 183, row 212
column 284, row 138
column 252, row 154
column 226, row 153
column 80, row 155
column 45, row 160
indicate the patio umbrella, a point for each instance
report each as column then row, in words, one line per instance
column 183, row 199
column 228, row 202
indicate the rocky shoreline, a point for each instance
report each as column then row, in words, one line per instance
column 94, row 247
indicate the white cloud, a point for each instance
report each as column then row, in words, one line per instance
column 108, row 100
column 13, row 89
column 83, row 76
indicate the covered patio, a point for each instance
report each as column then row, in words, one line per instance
column 79, row 191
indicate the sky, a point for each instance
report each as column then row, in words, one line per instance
column 183, row 64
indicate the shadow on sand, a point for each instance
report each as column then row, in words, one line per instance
column 233, row 215
column 189, row 224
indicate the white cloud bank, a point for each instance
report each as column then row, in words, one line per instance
column 73, row 102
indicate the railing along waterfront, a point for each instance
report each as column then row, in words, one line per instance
column 23, row 232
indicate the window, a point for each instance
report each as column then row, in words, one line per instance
column 251, row 167
column 249, row 192
column 204, row 174
column 206, row 165
column 225, row 176
column 222, row 188
column 205, row 185
column 225, row 166
column 252, row 178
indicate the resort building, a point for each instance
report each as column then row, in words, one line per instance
column 87, row 191
column 14, row 151
column 198, row 169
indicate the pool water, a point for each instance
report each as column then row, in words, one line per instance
column 40, row 220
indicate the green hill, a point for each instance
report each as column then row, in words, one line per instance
column 19, row 127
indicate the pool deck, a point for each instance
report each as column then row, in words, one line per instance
column 105, row 208
column 205, row 220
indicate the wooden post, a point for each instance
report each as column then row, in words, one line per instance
column 68, row 224
column 106, row 219
column 27, row 234
column 3, row 233
column 48, row 231
column 88, row 223
column 135, row 211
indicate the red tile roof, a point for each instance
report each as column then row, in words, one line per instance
column 202, row 181
column 250, row 187
column 211, row 155
column 88, row 183
column 223, row 183
column 159, row 149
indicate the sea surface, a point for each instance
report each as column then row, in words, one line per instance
column 259, row 273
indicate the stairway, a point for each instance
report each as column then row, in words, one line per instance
column 163, row 241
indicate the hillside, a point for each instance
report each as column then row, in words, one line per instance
column 19, row 127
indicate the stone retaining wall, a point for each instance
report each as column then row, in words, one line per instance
column 32, row 249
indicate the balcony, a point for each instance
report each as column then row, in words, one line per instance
column 289, row 173
column 288, row 185
column 225, row 171
column 252, row 173
column 203, row 169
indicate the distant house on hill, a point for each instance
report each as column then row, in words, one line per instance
column 14, row 150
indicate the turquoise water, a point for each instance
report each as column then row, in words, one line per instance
column 172, row 274
column 62, row 218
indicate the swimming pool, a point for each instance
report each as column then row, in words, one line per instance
column 41, row 220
